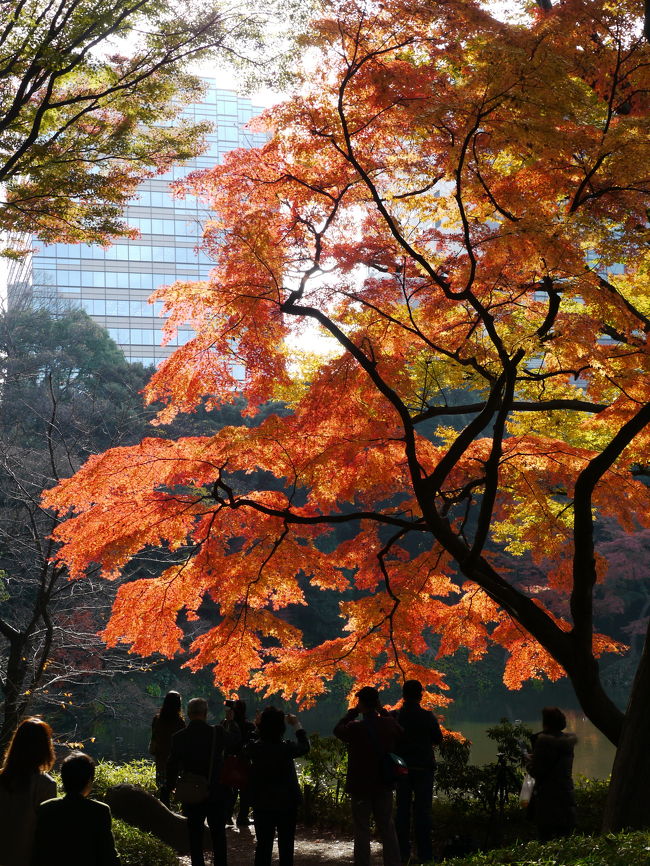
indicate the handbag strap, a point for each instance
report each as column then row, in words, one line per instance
column 214, row 738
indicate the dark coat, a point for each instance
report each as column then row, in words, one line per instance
column 420, row 733
column 162, row 731
column 273, row 780
column 365, row 751
column 18, row 807
column 74, row 831
column 192, row 748
column 551, row 764
column 247, row 732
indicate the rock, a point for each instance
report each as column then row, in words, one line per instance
column 134, row 805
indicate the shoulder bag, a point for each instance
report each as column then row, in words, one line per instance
column 235, row 771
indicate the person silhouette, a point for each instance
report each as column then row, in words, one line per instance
column 552, row 803
column 198, row 750
column 167, row 721
column 414, row 792
column 274, row 790
column 235, row 712
column 371, row 735
column 74, row 830
column 24, row 784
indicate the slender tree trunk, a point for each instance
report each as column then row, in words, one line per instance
column 628, row 803
column 14, row 700
column 10, row 721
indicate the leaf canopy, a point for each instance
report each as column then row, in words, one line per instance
column 449, row 199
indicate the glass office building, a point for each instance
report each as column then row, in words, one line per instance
column 112, row 284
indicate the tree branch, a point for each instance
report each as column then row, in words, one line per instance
column 584, row 565
column 493, row 462
column 325, row 519
column 569, row 405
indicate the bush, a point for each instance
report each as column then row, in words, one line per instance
column 473, row 822
column 470, row 786
column 623, row 849
column 139, row 772
column 463, row 827
column 590, row 804
column 454, row 776
column 512, row 739
column 323, row 768
column 322, row 777
column 137, row 848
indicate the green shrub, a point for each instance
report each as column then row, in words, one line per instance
column 468, row 786
column 323, row 768
column 137, row 848
column 475, row 820
column 471, row 826
column 140, row 772
column 623, row 849
column 454, row 776
column 322, row 777
column 511, row 738
column 590, row 803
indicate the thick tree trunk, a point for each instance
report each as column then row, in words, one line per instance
column 599, row 708
column 628, row 802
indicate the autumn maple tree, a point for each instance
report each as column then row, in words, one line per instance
column 460, row 204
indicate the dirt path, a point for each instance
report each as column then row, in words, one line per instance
column 312, row 849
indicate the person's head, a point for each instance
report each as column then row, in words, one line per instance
column 553, row 720
column 412, row 691
column 271, row 726
column 30, row 751
column 368, row 699
column 77, row 773
column 197, row 708
column 171, row 706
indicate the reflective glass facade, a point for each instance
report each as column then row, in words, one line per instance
column 112, row 284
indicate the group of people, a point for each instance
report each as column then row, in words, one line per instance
column 235, row 757
column 374, row 737
column 390, row 774
column 271, row 788
column 36, row 827
column 390, row 777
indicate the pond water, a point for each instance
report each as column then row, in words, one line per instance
column 594, row 754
